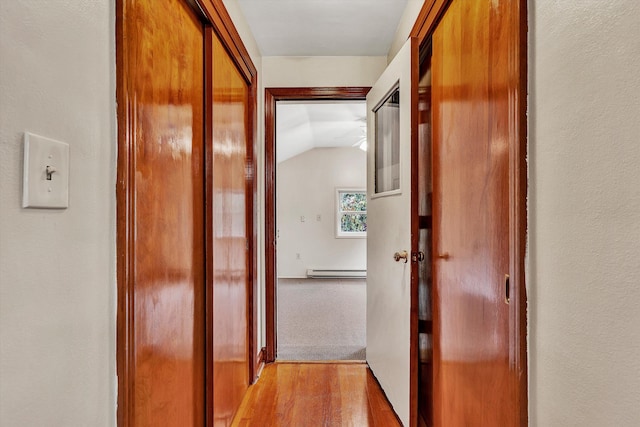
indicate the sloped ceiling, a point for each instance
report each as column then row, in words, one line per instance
column 323, row 27
column 303, row 126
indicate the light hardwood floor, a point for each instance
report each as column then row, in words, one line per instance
column 316, row 394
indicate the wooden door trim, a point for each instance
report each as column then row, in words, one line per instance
column 219, row 19
column 415, row 236
column 428, row 18
column 208, row 225
column 518, row 207
column 124, row 233
column 272, row 95
column 213, row 14
column 425, row 25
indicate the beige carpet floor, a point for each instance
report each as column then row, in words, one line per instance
column 320, row 319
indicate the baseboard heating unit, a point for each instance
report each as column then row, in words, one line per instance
column 336, row 274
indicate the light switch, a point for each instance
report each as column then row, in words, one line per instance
column 46, row 173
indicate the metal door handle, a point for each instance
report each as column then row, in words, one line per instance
column 401, row 255
column 444, row 256
column 417, row 256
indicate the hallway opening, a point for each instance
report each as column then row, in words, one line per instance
column 305, row 252
column 321, row 229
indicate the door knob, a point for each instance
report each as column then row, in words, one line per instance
column 417, row 256
column 444, row 256
column 401, row 255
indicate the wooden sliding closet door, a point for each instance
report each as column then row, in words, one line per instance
column 477, row 107
column 229, row 238
column 186, row 100
column 161, row 214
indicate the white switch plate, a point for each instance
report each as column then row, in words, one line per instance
column 37, row 190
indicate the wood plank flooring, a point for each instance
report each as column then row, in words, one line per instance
column 315, row 394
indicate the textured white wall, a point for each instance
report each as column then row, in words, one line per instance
column 315, row 71
column 306, row 186
column 57, row 267
column 584, row 213
column 408, row 19
column 57, row 280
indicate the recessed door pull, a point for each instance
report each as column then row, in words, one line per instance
column 507, row 289
column 401, row 255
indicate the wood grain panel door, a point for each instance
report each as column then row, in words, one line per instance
column 161, row 213
column 476, row 78
column 228, row 236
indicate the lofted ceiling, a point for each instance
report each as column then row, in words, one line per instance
column 321, row 28
column 301, row 126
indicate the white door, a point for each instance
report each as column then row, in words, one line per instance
column 389, row 229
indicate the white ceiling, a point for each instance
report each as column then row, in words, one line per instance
column 303, row 126
column 323, row 27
